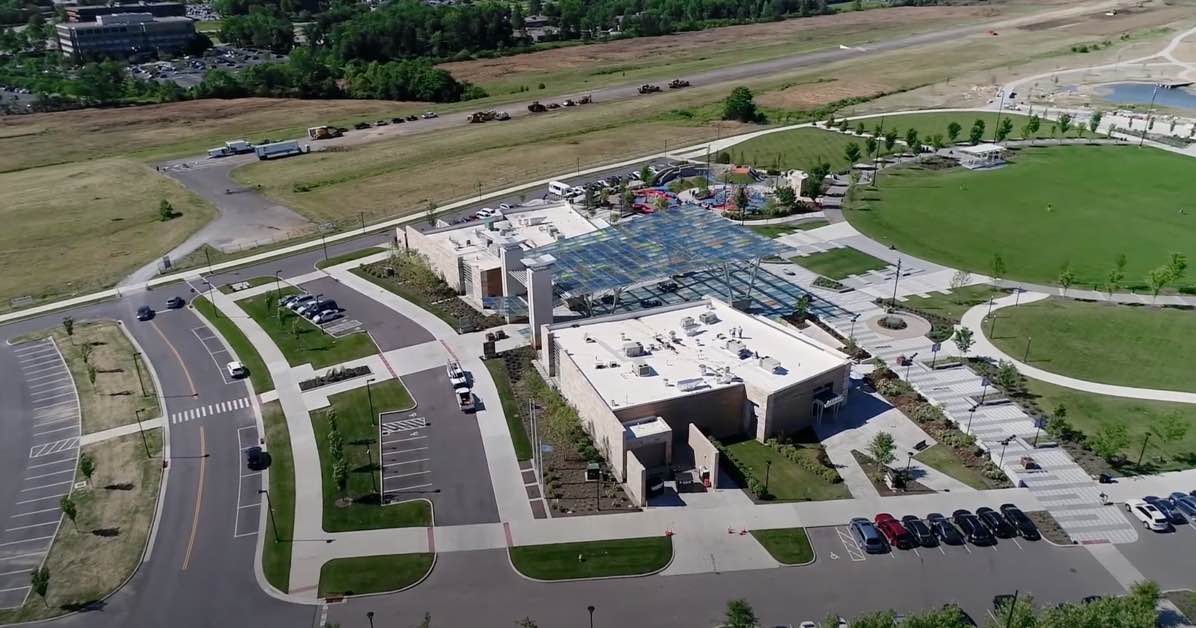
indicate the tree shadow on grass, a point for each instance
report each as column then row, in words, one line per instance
column 88, row 606
column 106, row 532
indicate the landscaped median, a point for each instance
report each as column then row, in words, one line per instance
column 840, row 263
column 789, row 546
column 259, row 375
column 593, row 559
column 301, row 341
column 276, row 551
column 348, row 425
column 348, row 257
column 373, row 574
column 796, row 471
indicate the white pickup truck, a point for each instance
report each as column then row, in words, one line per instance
column 460, row 383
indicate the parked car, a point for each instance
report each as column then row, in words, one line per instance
column 1184, row 503
column 921, row 532
column 1020, row 522
column 971, row 527
column 175, row 303
column 429, row 114
column 300, row 302
column 145, row 313
column 506, row 206
column 235, row 369
column 288, row 300
column 894, row 532
column 867, row 537
column 944, row 529
column 325, row 316
column 1148, row 515
column 1167, row 508
column 645, row 303
column 256, row 459
column 996, row 523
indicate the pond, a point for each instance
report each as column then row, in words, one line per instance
column 1140, row 94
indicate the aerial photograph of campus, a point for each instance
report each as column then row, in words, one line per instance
column 598, row 313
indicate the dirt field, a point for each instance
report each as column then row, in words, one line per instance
column 159, row 131
column 79, row 227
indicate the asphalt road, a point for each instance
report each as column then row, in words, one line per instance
column 1165, row 557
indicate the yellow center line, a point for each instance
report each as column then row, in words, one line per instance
column 182, row 364
column 203, row 461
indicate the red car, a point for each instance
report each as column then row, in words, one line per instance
column 894, row 532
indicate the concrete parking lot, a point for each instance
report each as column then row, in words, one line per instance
column 1165, row 557
column 41, row 447
column 249, row 484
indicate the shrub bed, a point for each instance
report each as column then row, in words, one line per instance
column 333, row 376
column 410, row 277
column 941, row 327
column 829, row 284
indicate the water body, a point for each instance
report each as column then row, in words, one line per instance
column 1140, row 93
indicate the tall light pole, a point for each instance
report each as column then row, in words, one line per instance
column 1026, row 355
column 370, row 616
column 767, row 470
column 896, row 278
column 1143, row 451
column 370, row 396
column 277, row 288
column 1149, row 109
column 971, row 415
column 324, row 243
column 1000, row 109
column 1004, row 444
column 141, row 430
column 270, row 509
column 137, row 366
column 369, row 454
column 909, row 459
column 909, row 364
column 591, row 609
column 851, row 334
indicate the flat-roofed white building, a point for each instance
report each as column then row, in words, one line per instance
column 636, row 376
column 478, row 257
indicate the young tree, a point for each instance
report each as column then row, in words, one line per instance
column 830, row 120
column 871, row 146
column 960, row 279
column 662, row 203
column 1026, row 134
column 996, row 268
column 740, row 615
column 1004, row 129
column 911, row 140
column 87, row 466
column 852, row 152
column 977, row 132
column 1109, row 441
column 430, row 213
column 1006, row 376
column 628, row 199
column 1156, row 280
column 1066, row 277
column 937, row 142
column 859, row 128
column 843, row 125
column 67, row 504
column 1177, row 264
column 1064, row 125
column 878, row 131
column 646, row 175
column 39, row 580
column 740, row 106
column 1081, row 129
column 165, row 210
column 1094, row 121
column 1116, row 275
column 802, row 308
column 964, row 340
column 1170, row 428
column 741, row 199
column 1035, row 123
column 953, row 130
column 68, row 325
column 786, row 197
column 1057, row 423
column 881, row 449
column 890, row 140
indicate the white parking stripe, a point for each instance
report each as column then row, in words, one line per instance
column 409, row 461
column 38, row 488
column 14, row 589
column 40, row 538
column 403, row 440
column 57, row 429
column 19, row 556
column 406, row 451
column 46, row 475
column 58, row 382
column 46, row 464
column 13, row 573
column 33, row 525
column 406, row 475
column 408, row 488
column 43, row 423
column 35, row 512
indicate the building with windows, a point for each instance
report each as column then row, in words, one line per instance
column 89, row 13
column 122, row 35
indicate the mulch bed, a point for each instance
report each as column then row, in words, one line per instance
column 1049, row 528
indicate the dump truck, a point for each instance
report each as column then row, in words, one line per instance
column 536, row 107
column 323, row 132
column 649, row 89
column 482, row 116
column 278, row 149
column 239, row 147
column 584, row 100
column 678, row 83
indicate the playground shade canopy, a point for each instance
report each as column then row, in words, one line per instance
column 651, row 248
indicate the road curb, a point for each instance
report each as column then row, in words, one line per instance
column 672, row 556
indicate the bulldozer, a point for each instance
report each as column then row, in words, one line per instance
column 584, row 100
column 649, row 89
column 536, row 107
column 323, row 132
column 678, row 83
column 482, row 116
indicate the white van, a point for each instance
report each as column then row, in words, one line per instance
column 558, row 188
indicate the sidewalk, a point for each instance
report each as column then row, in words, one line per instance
column 974, row 319
column 116, row 432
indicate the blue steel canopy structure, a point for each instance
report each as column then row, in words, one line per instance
column 651, row 248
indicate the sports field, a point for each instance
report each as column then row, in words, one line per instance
column 1056, row 205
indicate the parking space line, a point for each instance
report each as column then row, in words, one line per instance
column 57, row 429
column 13, row 573
column 58, row 382
column 40, row 538
column 249, row 506
column 411, row 461
column 40, row 499
column 941, row 550
column 1019, row 545
column 38, row 488
column 35, row 512
column 408, row 488
column 14, row 589
column 46, row 464
column 46, row 475
column 406, row 451
column 33, row 525
column 406, row 475
column 40, row 377
column 403, row 440
column 42, row 423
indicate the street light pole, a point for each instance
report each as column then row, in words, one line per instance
column 909, row 458
column 1149, row 110
column 369, row 454
column 971, row 415
column 324, row 243
column 1026, row 355
column 591, row 609
column 896, row 278
column 137, row 366
column 851, row 333
column 1143, row 452
column 909, row 364
column 370, row 616
column 1004, row 444
column 141, row 430
column 277, row 288
column 270, row 510
column 370, row 395
column 767, row 470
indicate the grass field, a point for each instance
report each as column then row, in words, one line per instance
column 598, row 559
column 85, row 565
column 1112, row 344
column 789, row 546
column 953, row 304
column 1088, row 413
column 259, row 375
column 941, row 458
column 81, row 227
column 276, row 552
column 930, row 124
column 348, row 257
column 300, row 340
column 776, row 231
column 798, row 149
column 839, row 263
column 115, row 396
column 522, row 444
column 1082, row 205
column 786, row 480
column 360, row 432
column 372, row 574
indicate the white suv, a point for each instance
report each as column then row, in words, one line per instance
column 1152, row 518
column 236, row 370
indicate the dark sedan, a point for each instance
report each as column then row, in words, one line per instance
column 944, row 529
column 971, row 527
column 920, row 531
column 996, row 523
column 1165, row 506
column 1020, row 522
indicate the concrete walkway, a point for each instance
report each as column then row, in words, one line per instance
column 974, row 319
column 116, row 432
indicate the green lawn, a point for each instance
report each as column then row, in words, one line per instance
column 348, row 257
column 276, row 554
column 840, row 263
column 300, row 340
column 259, row 375
column 599, row 559
column 941, row 458
column 789, row 546
column 929, row 124
column 1088, row 413
column 253, row 282
column 1077, row 205
column 1112, row 344
column 372, row 574
column 798, row 149
column 359, row 430
column 778, row 230
column 786, row 480
column 953, row 304
column 510, row 407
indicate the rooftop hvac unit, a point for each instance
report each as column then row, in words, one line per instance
column 709, row 317
column 643, row 369
column 734, row 346
column 690, row 385
column 688, row 321
column 633, row 349
column 770, row 364
column 725, row 376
